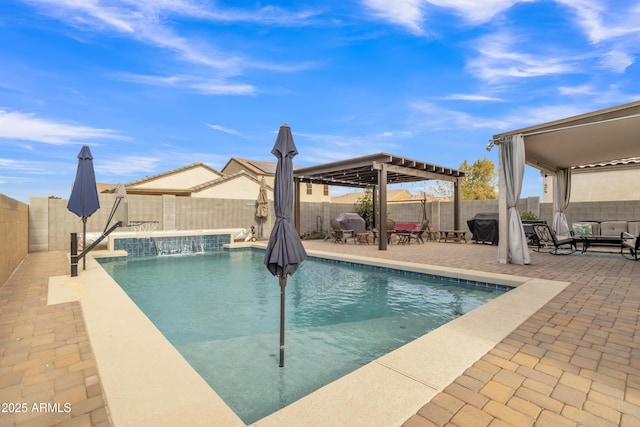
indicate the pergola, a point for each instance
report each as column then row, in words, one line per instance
column 376, row 171
column 599, row 136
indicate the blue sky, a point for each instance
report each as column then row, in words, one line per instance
column 159, row 84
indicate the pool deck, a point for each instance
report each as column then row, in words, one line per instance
column 574, row 361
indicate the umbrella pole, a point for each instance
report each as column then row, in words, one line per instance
column 84, row 241
column 283, row 283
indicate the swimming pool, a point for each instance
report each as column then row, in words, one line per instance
column 222, row 314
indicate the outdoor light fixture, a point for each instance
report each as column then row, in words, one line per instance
column 490, row 145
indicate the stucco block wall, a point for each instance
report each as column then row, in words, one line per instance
column 440, row 214
column 38, row 224
column 624, row 210
column 14, row 235
column 51, row 223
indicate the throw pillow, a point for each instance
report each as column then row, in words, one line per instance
column 581, row 229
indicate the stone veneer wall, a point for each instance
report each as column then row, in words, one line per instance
column 14, row 235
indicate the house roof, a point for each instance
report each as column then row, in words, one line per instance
column 105, row 188
column 227, row 178
column 622, row 162
column 600, row 136
column 257, row 167
column 171, row 172
column 392, row 195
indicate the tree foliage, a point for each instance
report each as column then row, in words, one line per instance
column 479, row 181
column 365, row 207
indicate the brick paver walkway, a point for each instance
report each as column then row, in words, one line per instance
column 48, row 373
column 575, row 362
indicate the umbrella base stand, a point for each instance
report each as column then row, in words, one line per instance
column 75, row 256
column 283, row 283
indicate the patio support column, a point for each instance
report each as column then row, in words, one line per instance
column 503, row 229
column 382, row 186
column 374, row 201
column 456, row 204
column 296, row 205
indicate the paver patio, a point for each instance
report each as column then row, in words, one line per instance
column 575, row 362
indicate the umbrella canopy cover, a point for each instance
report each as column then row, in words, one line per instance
column 84, row 195
column 262, row 207
column 284, row 251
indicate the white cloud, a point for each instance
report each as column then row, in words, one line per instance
column 128, row 165
column 617, row 61
column 222, row 129
column 193, row 82
column 605, row 19
column 613, row 25
column 146, row 21
column 472, row 97
column 499, row 59
column 28, row 127
column 213, row 88
column 577, row 90
column 406, row 13
column 435, row 117
column 410, row 14
column 475, row 11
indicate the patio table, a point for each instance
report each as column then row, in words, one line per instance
column 452, row 235
column 589, row 241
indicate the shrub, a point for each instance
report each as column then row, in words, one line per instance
column 314, row 235
column 529, row 216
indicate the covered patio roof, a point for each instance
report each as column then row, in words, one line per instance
column 600, row 136
column 376, row 171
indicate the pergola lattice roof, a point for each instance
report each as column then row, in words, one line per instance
column 363, row 171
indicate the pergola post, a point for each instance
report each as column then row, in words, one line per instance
column 456, row 204
column 382, row 187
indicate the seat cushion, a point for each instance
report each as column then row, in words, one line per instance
column 634, row 227
column 564, row 240
column 629, row 243
column 613, row 228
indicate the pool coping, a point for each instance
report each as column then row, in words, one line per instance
column 133, row 357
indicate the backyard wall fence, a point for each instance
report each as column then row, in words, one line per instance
column 14, row 229
column 50, row 223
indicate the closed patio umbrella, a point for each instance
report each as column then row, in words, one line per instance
column 284, row 251
column 262, row 207
column 84, row 194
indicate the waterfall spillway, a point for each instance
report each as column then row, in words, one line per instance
column 181, row 245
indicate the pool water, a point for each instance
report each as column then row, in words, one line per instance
column 221, row 310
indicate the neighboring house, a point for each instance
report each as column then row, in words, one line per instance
column 392, row 196
column 198, row 180
column 259, row 169
column 239, row 185
column 105, row 188
column 179, row 182
column 609, row 181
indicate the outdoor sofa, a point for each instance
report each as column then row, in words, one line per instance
column 604, row 233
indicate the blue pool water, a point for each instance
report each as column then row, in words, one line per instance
column 221, row 310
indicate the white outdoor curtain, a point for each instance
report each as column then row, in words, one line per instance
column 513, row 156
column 561, row 194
